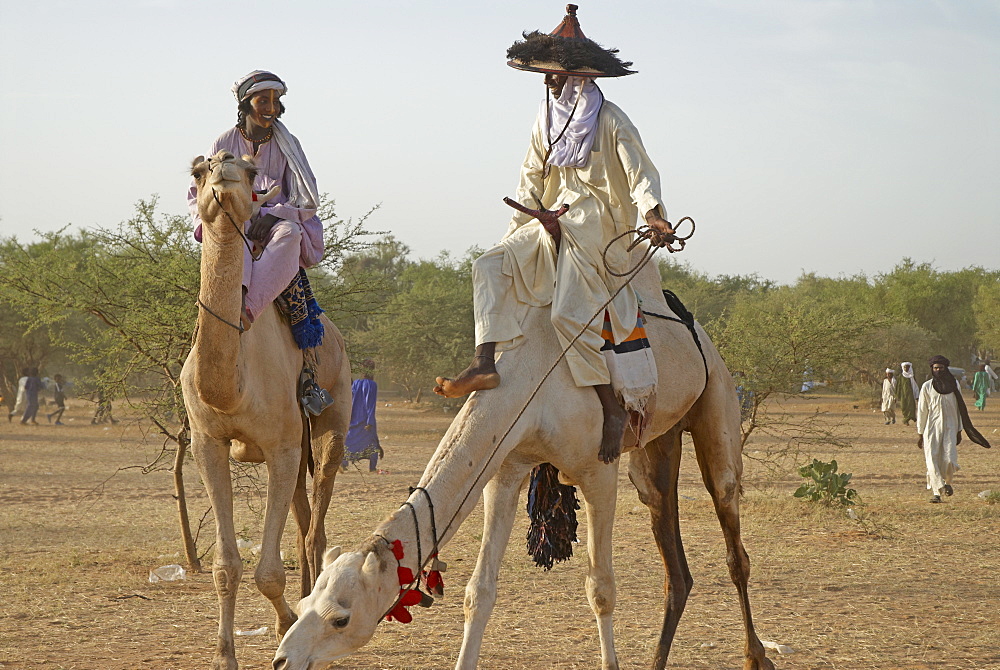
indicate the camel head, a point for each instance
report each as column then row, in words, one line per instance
column 352, row 594
column 224, row 183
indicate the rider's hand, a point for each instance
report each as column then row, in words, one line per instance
column 662, row 233
column 260, row 227
column 920, row 441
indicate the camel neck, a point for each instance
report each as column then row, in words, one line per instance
column 218, row 343
column 449, row 485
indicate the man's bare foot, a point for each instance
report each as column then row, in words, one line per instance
column 482, row 375
column 611, row 436
column 615, row 420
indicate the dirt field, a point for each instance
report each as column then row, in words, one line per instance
column 78, row 540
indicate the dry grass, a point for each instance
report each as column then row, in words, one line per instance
column 922, row 592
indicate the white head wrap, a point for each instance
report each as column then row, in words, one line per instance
column 907, row 369
column 890, row 370
column 258, row 80
column 570, row 121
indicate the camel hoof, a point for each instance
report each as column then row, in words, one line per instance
column 763, row 663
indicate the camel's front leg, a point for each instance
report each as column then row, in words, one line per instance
column 600, row 490
column 212, row 457
column 282, row 472
column 654, row 471
column 499, row 507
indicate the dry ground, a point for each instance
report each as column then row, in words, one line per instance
column 77, row 542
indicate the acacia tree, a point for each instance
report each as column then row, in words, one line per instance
column 427, row 327
column 780, row 339
column 940, row 302
column 986, row 307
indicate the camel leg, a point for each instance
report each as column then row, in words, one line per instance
column 303, row 520
column 499, row 509
column 282, row 472
column 715, row 427
column 333, row 372
column 600, row 490
column 329, row 431
column 653, row 470
column 212, row 457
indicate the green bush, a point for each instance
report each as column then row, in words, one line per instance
column 826, row 485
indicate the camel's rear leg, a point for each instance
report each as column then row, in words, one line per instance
column 333, row 372
column 303, row 519
column 499, row 509
column 653, row 471
column 714, row 423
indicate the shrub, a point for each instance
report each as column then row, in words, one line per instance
column 826, row 485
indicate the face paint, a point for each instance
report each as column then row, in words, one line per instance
column 264, row 108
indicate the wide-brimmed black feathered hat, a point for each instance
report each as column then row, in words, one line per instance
column 566, row 50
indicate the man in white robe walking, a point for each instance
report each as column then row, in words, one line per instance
column 941, row 417
column 889, row 396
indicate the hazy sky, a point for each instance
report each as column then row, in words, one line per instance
column 827, row 136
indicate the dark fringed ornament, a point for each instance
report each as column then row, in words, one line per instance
column 552, row 509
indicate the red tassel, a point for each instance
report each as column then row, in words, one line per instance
column 397, row 549
column 411, row 598
column 405, row 576
column 435, row 583
column 400, row 614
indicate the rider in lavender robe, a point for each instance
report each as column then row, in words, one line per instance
column 287, row 227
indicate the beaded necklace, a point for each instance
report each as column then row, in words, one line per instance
column 256, row 143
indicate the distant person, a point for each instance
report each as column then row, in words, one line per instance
column 59, row 399
column 941, row 417
column 102, row 414
column 906, row 394
column 362, row 436
column 19, row 398
column 32, row 386
column 993, row 375
column 981, row 387
column 889, row 396
column 744, row 395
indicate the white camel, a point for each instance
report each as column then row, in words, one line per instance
column 562, row 426
column 240, row 391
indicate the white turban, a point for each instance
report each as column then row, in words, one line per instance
column 889, row 370
column 258, row 80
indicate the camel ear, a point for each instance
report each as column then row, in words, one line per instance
column 196, row 166
column 330, row 556
column 372, row 566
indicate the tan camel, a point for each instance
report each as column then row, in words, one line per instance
column 240, row 391
column 562, row 425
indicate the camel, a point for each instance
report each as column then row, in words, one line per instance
column 241, row 394
column 562, row 426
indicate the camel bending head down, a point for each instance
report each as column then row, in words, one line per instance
column 240, row 391
column 562, row 426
